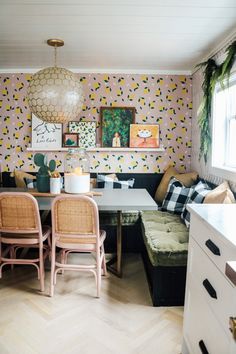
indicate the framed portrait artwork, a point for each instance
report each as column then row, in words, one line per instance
column 45, row 135
column 86, row 131
column 115, row 122
column 145, row 135
column 70, row 140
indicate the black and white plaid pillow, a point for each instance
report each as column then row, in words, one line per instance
column 200, row 190
column 107, row 182
column 176, row 196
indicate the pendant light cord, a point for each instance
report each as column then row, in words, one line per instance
column 55, row 56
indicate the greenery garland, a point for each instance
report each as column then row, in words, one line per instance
column 212, row 74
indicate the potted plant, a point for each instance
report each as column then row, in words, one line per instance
column 55, row 183
column 43, row 174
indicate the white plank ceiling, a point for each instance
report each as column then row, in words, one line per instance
column 113, row 35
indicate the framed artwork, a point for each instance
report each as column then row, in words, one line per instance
column 73, row 127
column 87, row 134
column 70, row 140
column 45, row 135
column 115, row 122
column 145, row 135
column 86, row 131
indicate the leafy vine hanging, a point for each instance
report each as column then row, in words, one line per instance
column 212, row 74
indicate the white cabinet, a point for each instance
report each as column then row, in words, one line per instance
column 210, row 299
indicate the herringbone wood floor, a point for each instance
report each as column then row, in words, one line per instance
column 75, row 322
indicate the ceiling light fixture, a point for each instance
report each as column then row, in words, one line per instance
column 55, row 94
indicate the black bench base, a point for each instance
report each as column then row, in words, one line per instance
column 166, row 284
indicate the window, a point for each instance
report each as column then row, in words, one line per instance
column 224, row 129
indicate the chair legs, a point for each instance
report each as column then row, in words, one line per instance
column 101, row 266
column 41, row 269
column 99, row 278
column 53, row 262
column 104, row 266
column 64, row 255
column 12, row 255
column 98, row 271
column 12, row 259
column 0, row 259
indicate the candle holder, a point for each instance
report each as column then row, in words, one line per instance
column 77, row 171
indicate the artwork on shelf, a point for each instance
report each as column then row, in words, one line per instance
column 45, row 135
column 70, row 140
column 87, row 134
column 115, row 123
column 86, row 131
column 145, row 135
column 74, row 127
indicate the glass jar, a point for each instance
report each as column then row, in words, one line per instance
column 77, row 171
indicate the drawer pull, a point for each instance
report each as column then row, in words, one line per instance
column 209, row 288
column 212, row 247
column 203, row 347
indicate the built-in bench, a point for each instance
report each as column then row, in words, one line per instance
column 165, row 256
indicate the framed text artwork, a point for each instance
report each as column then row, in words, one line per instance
column 115, row 123
column 45, row 135
column 86, row 131
column 145, row 135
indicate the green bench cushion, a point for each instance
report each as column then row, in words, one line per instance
column 166, row 238
column 110, row 218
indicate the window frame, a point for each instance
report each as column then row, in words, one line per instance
column 220, row 168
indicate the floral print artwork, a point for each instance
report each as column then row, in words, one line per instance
column 87, row 134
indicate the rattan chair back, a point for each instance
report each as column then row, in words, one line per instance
column 75, row 215
column 19, row 213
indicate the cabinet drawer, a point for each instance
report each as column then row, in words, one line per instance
column 203, row 332
column 212, row 285
column 212, row 243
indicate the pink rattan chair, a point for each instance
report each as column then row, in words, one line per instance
column 20, row 227
column 75, row 228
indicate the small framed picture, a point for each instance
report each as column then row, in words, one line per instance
column 74, row 127
column 70, row 140
column 145, row 135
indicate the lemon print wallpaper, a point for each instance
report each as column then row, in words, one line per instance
column 159, row 99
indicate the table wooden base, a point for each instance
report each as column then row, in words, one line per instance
column 118, row 257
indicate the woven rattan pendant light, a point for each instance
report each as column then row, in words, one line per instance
column 55, row 94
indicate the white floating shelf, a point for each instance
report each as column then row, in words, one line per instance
column 126, row 149
column 104, row 149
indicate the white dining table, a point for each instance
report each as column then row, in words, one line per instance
column 119, row 200
column 114, row 199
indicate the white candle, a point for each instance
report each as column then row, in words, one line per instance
column 75, row 183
